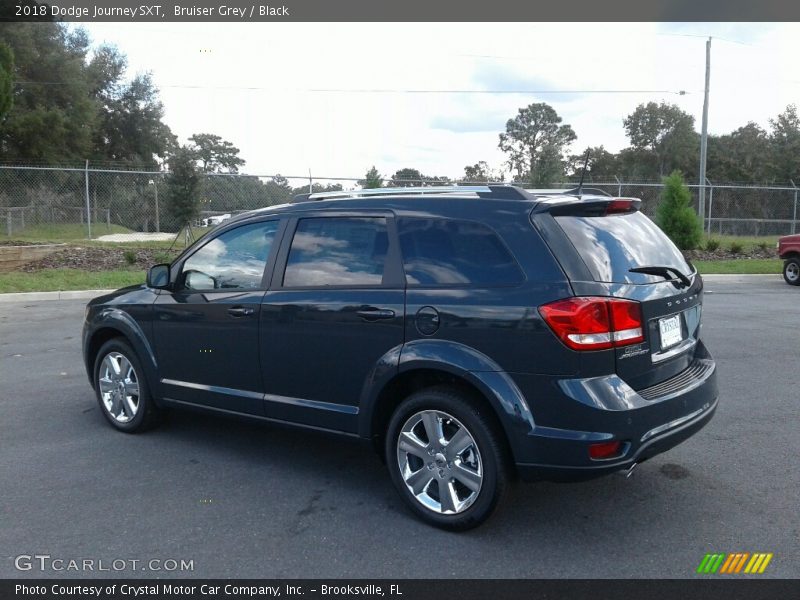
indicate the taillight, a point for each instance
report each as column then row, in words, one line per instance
column 594, row 323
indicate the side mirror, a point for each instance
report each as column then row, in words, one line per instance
column 158, row 277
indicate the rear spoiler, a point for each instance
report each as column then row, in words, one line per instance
column 592, row 206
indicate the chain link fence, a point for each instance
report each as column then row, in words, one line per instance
column 91, row 202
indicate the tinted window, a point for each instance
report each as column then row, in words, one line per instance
column 234, row 260
column 444, row 252
column 337, row 251
column 612, row 245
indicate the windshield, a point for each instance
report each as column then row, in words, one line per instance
column 612, row 245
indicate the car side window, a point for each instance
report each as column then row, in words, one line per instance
column 439, row 252
column 234, row 260
column 337, row 251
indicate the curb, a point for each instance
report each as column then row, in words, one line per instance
column 61, row 295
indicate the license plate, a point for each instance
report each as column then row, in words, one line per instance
column 671, row 332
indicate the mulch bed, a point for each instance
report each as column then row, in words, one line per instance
column 725, row 254
column 98, row 259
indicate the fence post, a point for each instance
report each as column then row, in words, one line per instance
column 710, row 203
column 88, row 208
column 619, row 186
column 22, row 224
column 8, row 222
column 794, row 211
column 108, row 219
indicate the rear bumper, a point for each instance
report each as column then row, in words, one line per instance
column 648, row 422
column 654, row 446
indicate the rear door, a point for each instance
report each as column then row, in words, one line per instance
column 608, row 246
column 334, row 309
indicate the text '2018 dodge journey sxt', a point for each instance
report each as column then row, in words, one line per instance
column 469, row 333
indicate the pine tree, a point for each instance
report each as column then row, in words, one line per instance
column 675, row 214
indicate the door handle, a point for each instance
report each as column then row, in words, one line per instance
column 241, row 311
column 375, row 314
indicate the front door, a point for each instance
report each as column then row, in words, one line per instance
column 206, row 330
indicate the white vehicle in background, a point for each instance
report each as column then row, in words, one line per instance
column 215, row 220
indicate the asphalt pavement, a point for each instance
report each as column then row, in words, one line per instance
column 246, row 500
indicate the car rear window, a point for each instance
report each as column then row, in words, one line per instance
column 443, row 252
column 612, row 245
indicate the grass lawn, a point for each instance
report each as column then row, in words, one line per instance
column 51, row 280
column 740, row 266
column 747, row 243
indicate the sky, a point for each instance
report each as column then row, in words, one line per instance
column 325, row 97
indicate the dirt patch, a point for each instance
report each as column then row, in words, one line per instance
column 99, row 259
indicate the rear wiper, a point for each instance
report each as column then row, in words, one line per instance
column 664, row 272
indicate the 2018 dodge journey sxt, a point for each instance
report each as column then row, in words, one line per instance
column 469, row 333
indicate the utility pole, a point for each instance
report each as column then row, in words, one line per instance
column 704, row 137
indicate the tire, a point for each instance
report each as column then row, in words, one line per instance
column 791, row 270
column 457, row 489
column 121, row 388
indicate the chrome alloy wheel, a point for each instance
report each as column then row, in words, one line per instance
column 439, row 462
column 119, row 387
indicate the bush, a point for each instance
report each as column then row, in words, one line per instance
column 712, row 244
column 763, row 245
column 736, row 247
column 130, row 257
column 675, row 214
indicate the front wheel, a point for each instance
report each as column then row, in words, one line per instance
column 121, row 388
column 791, row 270
column 446, row 458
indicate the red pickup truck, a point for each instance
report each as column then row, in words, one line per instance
column 789, row 251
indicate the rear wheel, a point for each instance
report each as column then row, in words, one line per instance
column 446, row 458
column 791, row 270
column 121, row 388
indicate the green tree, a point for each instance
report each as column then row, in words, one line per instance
column 6, row 79
column 215, row 154
column 54, row 114
column 742, row 155
column 413, row 178
column 675, row 214
column 481, row 172
column 371, row 180
column 535, row 141
column 665, row 133
column 603, row 165
column 407, row 178
column 784, row 138
column 183, row 187
column 131, row 128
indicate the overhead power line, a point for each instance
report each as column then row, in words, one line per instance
column 384, row 90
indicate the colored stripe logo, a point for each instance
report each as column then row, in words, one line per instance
column 736, row 562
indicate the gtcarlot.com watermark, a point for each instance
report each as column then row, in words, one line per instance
column 48, row 563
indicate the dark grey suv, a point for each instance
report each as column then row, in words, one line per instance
column 470, row 334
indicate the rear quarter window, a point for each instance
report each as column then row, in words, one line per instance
column 441, row 252
column 612, row 245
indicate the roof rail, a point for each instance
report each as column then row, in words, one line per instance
column 484, row 191
column 588, row 191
